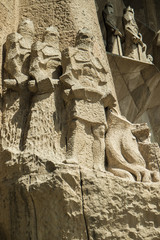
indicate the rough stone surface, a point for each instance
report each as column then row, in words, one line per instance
column 59, row 145
column 130, row 210
column 44, row 204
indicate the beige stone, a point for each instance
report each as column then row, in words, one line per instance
column 137, row 87
column 54, row 178
column 45, row 65
column 134, row 46
column 45, row 69
column 123, row 155
column 18, row 49
column 86, row 91
column 120, row 209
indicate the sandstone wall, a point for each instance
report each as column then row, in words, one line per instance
column 68, row 203
column 44, row 197
column 9, row 18
column 69, row 16
column 46, row 13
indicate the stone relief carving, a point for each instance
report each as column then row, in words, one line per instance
column 29, row 104
column 45, row 70
column 45, row 65
column 134, row 46
column 18, row 49
column 122, row 148
column 86, row 95
column 113, row 35
column 15, row 100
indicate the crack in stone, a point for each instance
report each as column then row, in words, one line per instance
column 85, row 220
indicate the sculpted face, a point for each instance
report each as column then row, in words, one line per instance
column 26, row 27
column 51, row 34
column 109, row 8
column 84, row 38
column 130, row 10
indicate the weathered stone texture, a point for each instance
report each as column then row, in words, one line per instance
column 55, row 182
column 46, row 13
column 44, row 205
column 65, row 202
column 119, row 209
column 9, row 19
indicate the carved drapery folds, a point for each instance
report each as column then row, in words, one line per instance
column 134, row 46
column 113, row 34
column 36, row 93
column 131, row 44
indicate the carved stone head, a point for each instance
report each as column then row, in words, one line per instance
column 129, row 12
column 129, row 9
column 51, row 35
column 84, row 38
column 129, row 15
column 26, row 28
column 109, row 9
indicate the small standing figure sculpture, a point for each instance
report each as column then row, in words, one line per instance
column 45, row 65
column 45, row 70
column 134, row 46
column 113, row 35
column 18, row 49
column 15, row 105
column 86, row 89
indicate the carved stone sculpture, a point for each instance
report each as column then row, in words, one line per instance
column 45, row 70
column 18, row 49
column 45, row 66
column 123, row 154
column 86, row 95
column 44, row 193
column 113, row 35
column 150, row 151
column 15, row 102
column 134, row 46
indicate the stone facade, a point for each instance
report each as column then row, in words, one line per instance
column 71, row 166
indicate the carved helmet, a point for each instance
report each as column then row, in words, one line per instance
column 26, row 27
column 51, row 35
column 51, row 31
column 109, row 9
column 84, row 36
column 129, row 9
